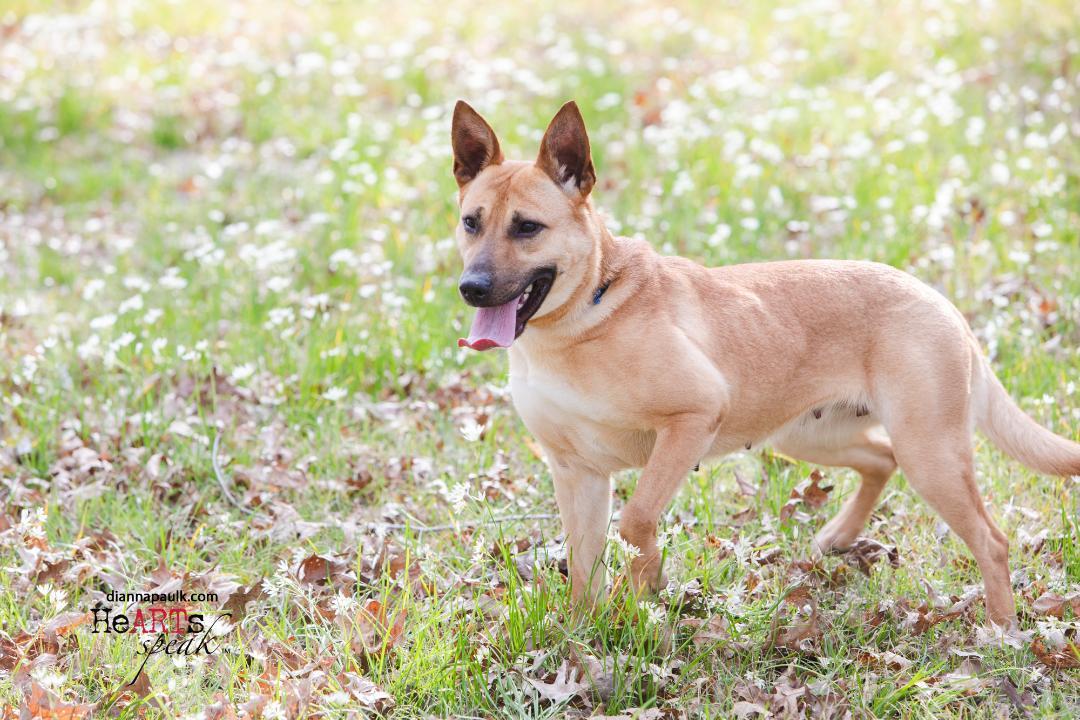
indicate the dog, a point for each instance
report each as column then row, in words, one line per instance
column 623, row 358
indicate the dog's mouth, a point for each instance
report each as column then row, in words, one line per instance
column 500, row 325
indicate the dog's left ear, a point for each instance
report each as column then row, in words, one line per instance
column 564, row 151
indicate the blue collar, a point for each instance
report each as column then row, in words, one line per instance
column 600, row 293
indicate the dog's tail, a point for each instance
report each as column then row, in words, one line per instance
column 1017, row 434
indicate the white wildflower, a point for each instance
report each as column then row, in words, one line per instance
column 630, row 551
column 274, row 710
column 278, row 283
column 458, row 496
column 479, row 549
column 135, row 302
column 654, row 614
column 335, row 393
column 472, row 430
column 102, row 322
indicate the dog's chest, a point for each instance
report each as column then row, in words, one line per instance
column 587, row 420
column 539, row 390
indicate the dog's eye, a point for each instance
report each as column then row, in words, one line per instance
column 470, row 223
column 528, row 228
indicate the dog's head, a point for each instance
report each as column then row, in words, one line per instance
column 524, row 233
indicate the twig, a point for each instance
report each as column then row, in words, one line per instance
column 420, row 528
column 221, row 478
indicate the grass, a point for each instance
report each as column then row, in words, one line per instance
column 225, row 221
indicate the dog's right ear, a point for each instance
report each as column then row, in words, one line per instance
column 475, row 144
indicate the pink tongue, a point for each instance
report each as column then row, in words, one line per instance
column 492, row 327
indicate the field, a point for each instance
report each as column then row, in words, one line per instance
column 228, row 315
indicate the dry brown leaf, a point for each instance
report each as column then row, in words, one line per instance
column 1065, row 659
column 137, row 689
column 744, row 709
column 10, row 654
column 865, row 552
column 376, row 632
column 600, row 675
column 809, row 493
column 805, row 632
column 320, row 569
column 253, row 708
column 65, row 623
column 814, row 494
column 220, row 709
column 562, row 686
column 237, row 602
column 743, row 516
column 1053, row 604
column 40, row 704
column 367, row 693
column 1022, row 702
column 888, row 659
column 707, row 631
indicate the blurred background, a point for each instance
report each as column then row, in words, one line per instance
column 235, row 218
column 293, row 155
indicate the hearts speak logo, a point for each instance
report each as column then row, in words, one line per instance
column 166, row 623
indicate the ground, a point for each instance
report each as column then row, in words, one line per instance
column 228, row 317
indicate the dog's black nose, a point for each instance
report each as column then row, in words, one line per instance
column 476, row 287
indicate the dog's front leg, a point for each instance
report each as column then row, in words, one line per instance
column 584, row 498
column 680, row 444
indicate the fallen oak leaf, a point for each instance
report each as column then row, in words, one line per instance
column 796, row 637
column 562, row 687
column 743, row 516
column 136, row 692
column 866, row 552
column 40, row 704
column 376, row 634
column 10, row 654
column 320, row 569
column 745, row 487
column 1065, row 659
column 806, row 631
column 64, row 624
column 814, row 494
column 1053, row 604
column 238, row 601
column 999, row 636
column 367, row 693
column 599, row 674
column 221, row 709
column 744, row 709
column 1023, row 703
column 809, row 493
column 707, row 631
column 634, row 714
column 255, row 705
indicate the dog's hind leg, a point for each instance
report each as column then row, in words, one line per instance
column 856, row 442
column 933, row 446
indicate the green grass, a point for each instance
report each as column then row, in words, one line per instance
column 238, row 222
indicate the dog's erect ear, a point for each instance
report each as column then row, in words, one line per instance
column 475, row 144
column 564, row 151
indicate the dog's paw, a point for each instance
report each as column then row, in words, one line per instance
column 831, row 539
column 647, row 574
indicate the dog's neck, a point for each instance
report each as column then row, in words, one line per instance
column 607, row 251
column 601, row 286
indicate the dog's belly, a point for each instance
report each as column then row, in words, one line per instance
column 578, row 426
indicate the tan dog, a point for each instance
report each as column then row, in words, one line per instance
column 622, row 358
